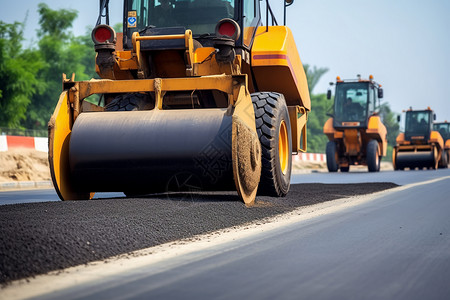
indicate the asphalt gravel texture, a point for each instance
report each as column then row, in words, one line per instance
column 36, row 238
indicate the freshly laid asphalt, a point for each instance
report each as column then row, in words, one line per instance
column 40, row 237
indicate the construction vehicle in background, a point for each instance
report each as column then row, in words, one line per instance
column 419, row 146
column 195, row 95
column 356, row 133
column 444, row 130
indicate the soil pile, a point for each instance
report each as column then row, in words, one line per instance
column 23, row 165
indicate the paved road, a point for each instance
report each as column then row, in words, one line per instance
column 396, row 247
column 40, row 237
column 397, row 177
column 400, row 178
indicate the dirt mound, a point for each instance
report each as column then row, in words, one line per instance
column 303, row 166
column 23, row 165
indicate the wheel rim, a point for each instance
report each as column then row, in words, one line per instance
column 283, row 147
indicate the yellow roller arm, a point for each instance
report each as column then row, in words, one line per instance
column 59, row 129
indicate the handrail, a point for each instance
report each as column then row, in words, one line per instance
column 104, row 5
column 274, row 20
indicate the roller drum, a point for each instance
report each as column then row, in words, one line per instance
column 152, row 151
column 419, row 159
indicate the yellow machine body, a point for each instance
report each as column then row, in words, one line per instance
column 354, row 139
column 194, row 122
column 275, row 55
column 444, row 130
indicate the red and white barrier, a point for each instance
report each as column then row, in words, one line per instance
column 310, row 157
column 8, row 142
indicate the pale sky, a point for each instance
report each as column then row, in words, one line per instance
column 405, row 44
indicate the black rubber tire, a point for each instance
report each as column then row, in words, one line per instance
column 396, row 167
column 345, row 169
column 130, row 102
column 435, row 163
column 394, row 159
column 270, row 111
column 373, row 160
column 448, row 157
column 443, row 163
column 332, row 164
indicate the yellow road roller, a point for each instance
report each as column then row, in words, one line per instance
column 419, row 146
column 194, row 96
column 444, row 130
column 356, row 133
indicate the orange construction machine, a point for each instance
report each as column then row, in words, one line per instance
column 419, row 146
column 444, row 130
column 356, row 134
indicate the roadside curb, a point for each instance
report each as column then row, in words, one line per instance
column 25, row 185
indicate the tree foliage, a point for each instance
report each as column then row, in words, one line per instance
column 320, row 106
column 18, row 80
column 30, row 79
column 388, row 117
column 313, row 75
column 317, row 140
column 62, row 53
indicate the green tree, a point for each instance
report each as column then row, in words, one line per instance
column 317, row 140
column 18, row 70
column 389, row 120
column 320, row 105
column 313, row 75
column 118, row 27
column 62, row 53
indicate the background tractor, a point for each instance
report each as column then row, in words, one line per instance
column 444, row 130
column 355, row 131
column 419, row 146
column 194, row 95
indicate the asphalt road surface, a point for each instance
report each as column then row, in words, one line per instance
column 395, row 247
column 400, row 178
column 41, row 237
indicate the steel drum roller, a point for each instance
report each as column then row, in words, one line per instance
column 145, row 150
column 419, row 159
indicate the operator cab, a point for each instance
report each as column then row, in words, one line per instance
column 443, row 129
column 355, row 101
column 157, row 17
column 418, row 125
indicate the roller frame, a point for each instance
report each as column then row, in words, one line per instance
column 70, row 106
